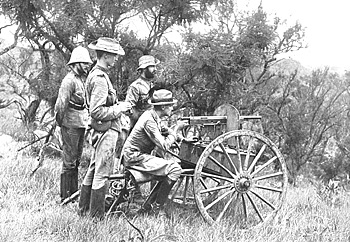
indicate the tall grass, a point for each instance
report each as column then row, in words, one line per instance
column 29, row 212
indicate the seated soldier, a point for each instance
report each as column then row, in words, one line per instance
column 144, row 137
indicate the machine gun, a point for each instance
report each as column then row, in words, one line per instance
column 204, row 128
column 213, row 120
column 205, row 120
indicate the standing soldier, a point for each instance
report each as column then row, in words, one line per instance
column 105, row 112
column 141, row 89
column 72, row 116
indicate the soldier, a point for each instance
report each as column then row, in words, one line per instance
column 72, row 116
column 144, row 137
column 105, row 112
column 141, row 89
column 139, row 93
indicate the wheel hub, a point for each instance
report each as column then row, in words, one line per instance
column 243, row 183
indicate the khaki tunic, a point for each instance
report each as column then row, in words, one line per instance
column 101, row 97
column 138, row 95
column 72, row 117
column 72, row 90
column 145, row 136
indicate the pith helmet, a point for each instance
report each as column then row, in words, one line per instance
column 108, row 45
column 147, row 60
column 80, row 54
column 162, row 97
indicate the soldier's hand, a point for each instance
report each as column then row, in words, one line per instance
column 165, row 131
column 180, row 124
column 124, row 107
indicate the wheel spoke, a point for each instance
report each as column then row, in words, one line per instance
column 264, row 165
column 185, row 189
column 238, row 167
column 187, row 171
column 246, row 160
column 269, row 188
column 255, row 207
column 215, row 188
column 177, row 187
column 219, row 199
column 261, row 151
column 264, row 200
column 217, row 176
column 280, row 173
column 225, row 209
column 222, row 166
column 229, row 158
column 239, row 154
column 244, row 207
column 203, row 183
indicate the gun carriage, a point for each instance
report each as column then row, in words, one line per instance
column 229, row 173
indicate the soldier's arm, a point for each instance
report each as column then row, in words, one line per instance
column 64, row 94
column 132, row 95
column 98, row 109
column 153, row 132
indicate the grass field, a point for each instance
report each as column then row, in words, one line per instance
column 29, row 212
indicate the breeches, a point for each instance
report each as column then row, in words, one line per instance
column 101, row 165
column 154, row 165
column 73, row 142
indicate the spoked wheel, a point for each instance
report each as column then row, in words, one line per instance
column 246, row 174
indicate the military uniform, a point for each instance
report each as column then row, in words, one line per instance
column 142, row 140
column 105, row 112
column 101, row 99
column 102, row 102
column 137, row 154
column 138, row 95
column 72, row 117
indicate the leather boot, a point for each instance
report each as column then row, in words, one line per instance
column 162, row 197
column 147, row 205
column 84, row 201
column 68, row 184
column 97, row 203
column 64, row 186
column 73, row 181
column 164, row 190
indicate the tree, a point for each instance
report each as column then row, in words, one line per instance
column 53, row 28
column 231, row 63
column 304, row 113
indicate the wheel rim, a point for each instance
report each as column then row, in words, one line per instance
column 250, row 175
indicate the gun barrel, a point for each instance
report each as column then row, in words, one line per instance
column 249, row 117
column 205, row 119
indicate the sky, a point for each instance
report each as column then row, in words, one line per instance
column 327, row 26
column 327, row 29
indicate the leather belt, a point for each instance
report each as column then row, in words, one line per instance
column 76, row 106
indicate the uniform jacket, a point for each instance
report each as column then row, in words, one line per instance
column 101, row 96
column 70, row 107
column 147, row 134
column 138, row 94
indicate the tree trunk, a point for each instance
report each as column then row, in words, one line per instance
column 30, row 113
